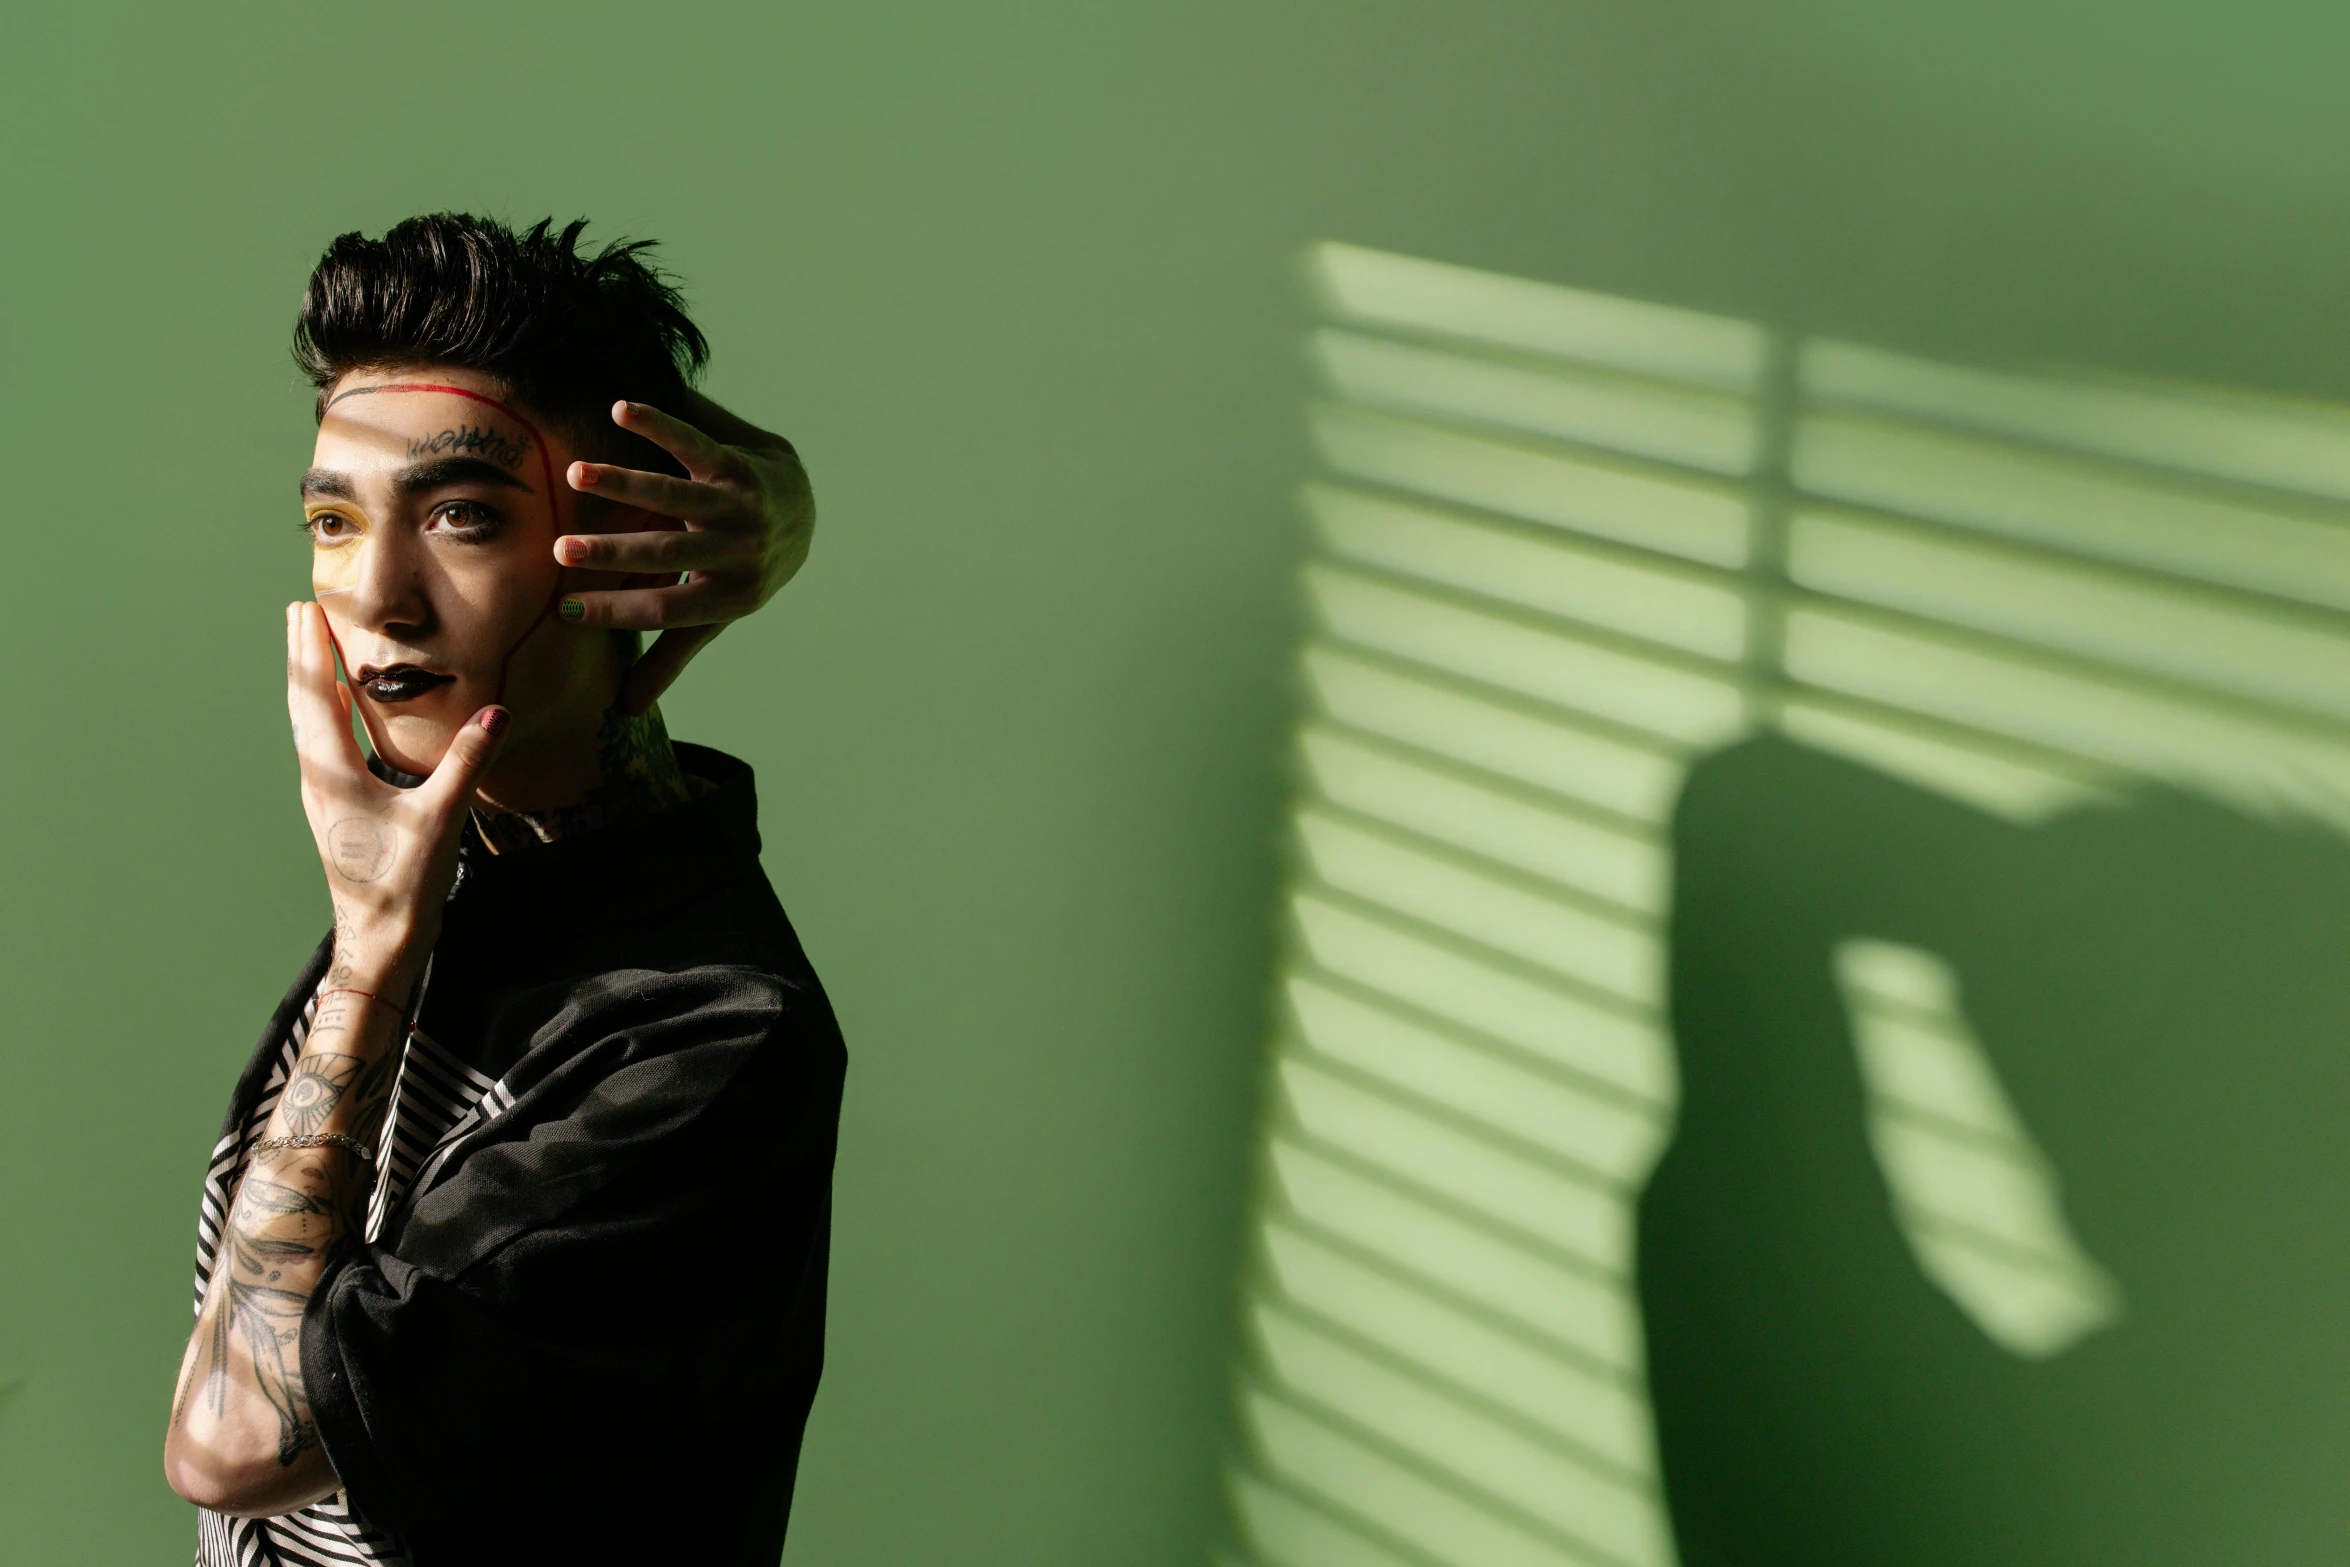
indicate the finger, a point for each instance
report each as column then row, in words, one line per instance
column 662, row 663
column 668, row 551
column 696, row 500
column 703, row 457
column 322, row 729
column 471, row 750
column 701, row 602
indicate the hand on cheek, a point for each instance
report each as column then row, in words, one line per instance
column 389, row 854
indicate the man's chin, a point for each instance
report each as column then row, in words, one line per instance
column 414, row 742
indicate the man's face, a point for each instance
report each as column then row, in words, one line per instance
column 432, row 517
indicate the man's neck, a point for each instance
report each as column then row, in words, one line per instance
column 638, row 774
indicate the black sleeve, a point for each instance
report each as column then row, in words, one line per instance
column 597, row 1338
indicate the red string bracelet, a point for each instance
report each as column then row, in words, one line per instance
column 346, row 990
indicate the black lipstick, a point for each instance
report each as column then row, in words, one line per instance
column 399, row 682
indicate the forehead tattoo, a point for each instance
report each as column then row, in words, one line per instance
column 501, row 449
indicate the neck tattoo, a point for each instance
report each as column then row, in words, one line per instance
column 640, row 777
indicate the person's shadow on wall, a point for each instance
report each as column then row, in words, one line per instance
column 2164, row 988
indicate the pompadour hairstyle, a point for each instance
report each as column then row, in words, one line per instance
column 567, row 332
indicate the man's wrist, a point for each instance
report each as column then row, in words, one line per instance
column 388, row 971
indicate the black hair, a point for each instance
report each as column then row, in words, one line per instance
column 568, row 333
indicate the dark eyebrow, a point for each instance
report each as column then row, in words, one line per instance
column 442, row 472
column 416, row 478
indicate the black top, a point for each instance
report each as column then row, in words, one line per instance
column 592, row 1329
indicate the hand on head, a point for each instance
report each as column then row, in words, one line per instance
column 730, row 534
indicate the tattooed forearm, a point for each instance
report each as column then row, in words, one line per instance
column 292, row 1209
column 320, row 1077
column 241, row 1406
column 470, row 440
column 341, row 973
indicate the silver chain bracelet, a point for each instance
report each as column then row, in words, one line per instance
column 318, row 1140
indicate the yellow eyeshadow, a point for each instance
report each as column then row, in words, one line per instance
column 334, row 569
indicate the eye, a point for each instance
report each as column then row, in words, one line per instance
column 330, row 527
column 470, row 520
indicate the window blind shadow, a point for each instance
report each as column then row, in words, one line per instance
column 1805, row 1033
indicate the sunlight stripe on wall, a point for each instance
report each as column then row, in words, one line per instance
column 2250, row 439
column 1609, row 590
column 1631, row 503
column 1520, row 316
column 1672, row 423
column 2252, row 540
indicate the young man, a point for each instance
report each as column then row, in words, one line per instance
column 513, row 1248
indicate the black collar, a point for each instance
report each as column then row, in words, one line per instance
column 640, row 863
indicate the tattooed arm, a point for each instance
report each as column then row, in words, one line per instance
column 241, row 1438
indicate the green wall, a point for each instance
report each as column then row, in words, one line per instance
column 1020, row 281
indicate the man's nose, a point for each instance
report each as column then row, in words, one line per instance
column 387, row 590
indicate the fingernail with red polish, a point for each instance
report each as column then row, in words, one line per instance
column 572, row 610
column 495, row 720
column 572, row 551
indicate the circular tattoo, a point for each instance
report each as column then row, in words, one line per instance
column 360, row 849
